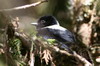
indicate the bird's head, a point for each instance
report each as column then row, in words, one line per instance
column 46, row 21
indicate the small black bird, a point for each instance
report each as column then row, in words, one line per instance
column 49, row 28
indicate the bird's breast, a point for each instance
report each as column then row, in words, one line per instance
column 45, row 34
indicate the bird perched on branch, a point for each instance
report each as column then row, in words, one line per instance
column 49, row 28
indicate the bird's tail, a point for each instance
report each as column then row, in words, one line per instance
column 67, row 48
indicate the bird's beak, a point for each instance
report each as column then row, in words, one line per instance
column 35, row 24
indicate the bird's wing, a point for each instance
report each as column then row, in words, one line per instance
column 61, row 34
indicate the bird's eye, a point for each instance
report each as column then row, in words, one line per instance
column 42, row 21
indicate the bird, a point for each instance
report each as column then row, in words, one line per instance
column 49, row 28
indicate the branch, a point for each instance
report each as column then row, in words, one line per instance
column 25, row 6
column 56, row 49
column 82, row 59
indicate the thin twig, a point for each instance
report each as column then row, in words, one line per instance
column 32, row 59
column 25, row 6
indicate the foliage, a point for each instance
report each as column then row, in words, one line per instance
column 15, row 48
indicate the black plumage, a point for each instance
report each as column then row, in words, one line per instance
column 48, row 27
